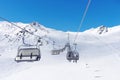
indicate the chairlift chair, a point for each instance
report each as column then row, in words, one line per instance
column 72, row 55
column 28, row 54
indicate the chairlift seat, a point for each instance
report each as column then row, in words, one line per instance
column 72, row 55
column 28, row 54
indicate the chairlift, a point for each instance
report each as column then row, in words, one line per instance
column 28, row 53
column 72, row 54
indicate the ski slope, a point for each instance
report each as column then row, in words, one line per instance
column 99, row 54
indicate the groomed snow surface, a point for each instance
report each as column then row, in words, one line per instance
column 99, row 55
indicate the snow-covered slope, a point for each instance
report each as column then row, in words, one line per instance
column 99, row 54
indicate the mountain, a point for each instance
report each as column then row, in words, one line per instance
column 99, row 53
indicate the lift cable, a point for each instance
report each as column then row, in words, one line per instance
column 23, row 29
column 83, row 17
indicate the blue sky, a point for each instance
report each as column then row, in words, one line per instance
column 62, row 14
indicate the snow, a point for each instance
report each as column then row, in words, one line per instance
column 99, row 54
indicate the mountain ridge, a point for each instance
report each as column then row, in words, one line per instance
column 99, row 54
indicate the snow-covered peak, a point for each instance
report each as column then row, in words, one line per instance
column 35, row 24
column 102, row 29
column 99, row 30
